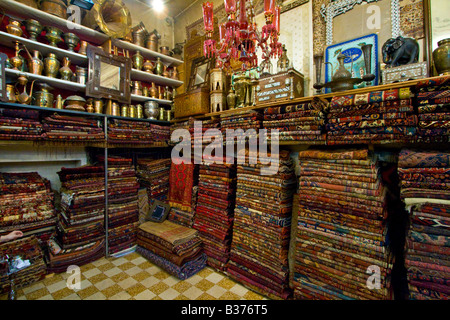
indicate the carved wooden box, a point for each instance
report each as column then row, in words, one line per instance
column 403, row 73
column 280, row 87
column 192, row 103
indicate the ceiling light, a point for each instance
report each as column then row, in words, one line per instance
column 158, row 5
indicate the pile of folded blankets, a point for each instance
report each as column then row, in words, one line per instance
column 249, row 121
column 205, row 135
column 175, row 248
column 71, row 128
column 136, row 132
column 26, row 204
column 340, row 236
column 123, row 208
column 433, row 106
column 22, row 261
column 425, row 190
column 20, row 125
column 153, row 175
column 372, row 118
column 80, row 236
column 302, row 122
column 262, row 223
column 215, row 210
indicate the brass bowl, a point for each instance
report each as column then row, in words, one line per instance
column 53, row 35
column 34, row 28
column 75, row 103
column 71, row 40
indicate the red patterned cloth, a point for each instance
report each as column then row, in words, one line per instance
column 181, row 182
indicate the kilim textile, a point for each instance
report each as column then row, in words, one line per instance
column 131, row 132
column 425, row 182
column 341, row 227
column 261, row 227
column 215, row 210
column 177, row 249
column 26, row 203
column 20, row 125
column 181, row 182
column 372, row 118
column 27, row 249
column 71, row 128
column 433, row 105
column 153, row 175
column 303, row 122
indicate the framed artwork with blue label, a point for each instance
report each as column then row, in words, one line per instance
column 354, row 61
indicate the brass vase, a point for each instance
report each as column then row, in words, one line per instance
column 14, row 27
column 175, row 75
column 165, row 72
column 65, row 71
column 11, row 93
column 138, row 60
column 53, row 35
column 159, row 67
column 98, row 106
column 35, row 63
column 153, row 91
column 148, row 66
column 441, row 57
column 16, row 61
column 51, row 66
column 231, row 99
column 71, row 40
column 34, row 28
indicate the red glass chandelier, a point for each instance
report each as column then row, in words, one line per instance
column 239, row 37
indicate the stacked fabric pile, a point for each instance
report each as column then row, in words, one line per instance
column 303, row 122
column 341, row 227
column 201, row 137
column 132, row 132
column 185, row 125
column 245, row 120
column 372, row 118
column 425, row 189
column 154, row 176
column 261, row 228
column 20, row 125
column 123, row 208
column 70, row 128
column 184, row 218
column 81, row 217
column 26, row 203
column 215, row 210
column 176, row 249
column 433, row 106
column 29, row 252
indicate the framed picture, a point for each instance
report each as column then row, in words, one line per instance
column 158, row 211
column 355, row 59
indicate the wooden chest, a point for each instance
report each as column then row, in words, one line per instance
column 192, row 103
column 404, row 73
column 280, row 87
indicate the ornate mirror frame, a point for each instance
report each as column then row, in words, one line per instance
column 429, row 41
column 93, row 87
column 333, row 9
column 3, row 58
column 195, row 64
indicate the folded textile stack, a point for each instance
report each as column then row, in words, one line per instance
column 261, row 228
column 433, row 106
column 215, row 210
column 62, row 127
column 341, row 227
column 245, row 120
column 184, row 218
column 303, row 122
column 425, row 189
column 185, row 125
column 20, row 125
column 123, row 208
column 153, row 175
column 30, row 253
column 176, row 249
column 132, row 132
column 26, row 203
column 372, row 118
column 203, row 136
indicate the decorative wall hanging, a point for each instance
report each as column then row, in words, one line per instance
column 360, row 59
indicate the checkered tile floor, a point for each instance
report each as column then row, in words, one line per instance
column 132, row 277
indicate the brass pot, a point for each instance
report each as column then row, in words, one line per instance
column 441, row 57
column 71, row 41
column 132, row 111
column 138, row 60
column 136, row 88
column 148, row 66
column 138, row 38
column 153, row 91
column 14, row 27
column 44, row 98
column 34, row 28
column 55, row 7
column 165, row 50
column 11, row 93
column 51, row 66
column 81, row 75
column 98, row 106
column 53, row 35
column 124, row 111
column 153, row 42
column 83, row 47
column 65, row 71
column 159, row 67
column 151, row 110
column 139, row 111
column 75, row 103
column 30, row 3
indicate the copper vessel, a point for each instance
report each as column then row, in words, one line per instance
column 174, row 74
column 98, row 106
column 35, row 62
column 34, row 28
column 16, row 61
column 11, row 93
column 71, row 40
column 83, row 47
column 165, row 50
column 44, row 98
column 53, row 35
column 24, row 97
column 51, row 66
column 65, row 71
column 153, row 41
column 55, row 7
column 138, row 60
column 124, row 111
column 136, row 88
column 148, row 66
column 30, row 3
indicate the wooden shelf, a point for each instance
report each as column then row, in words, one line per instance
column 23, row 12
column 138, row 75
column 8, row 40
column 137, row 98
column 54, row 82
column 147, row 53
